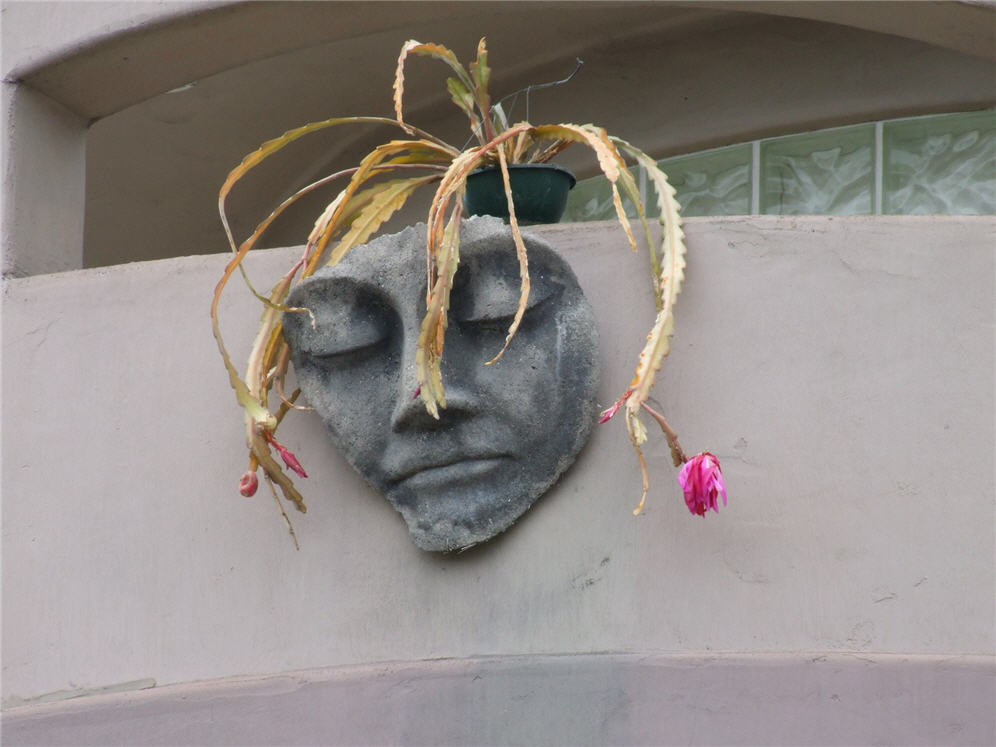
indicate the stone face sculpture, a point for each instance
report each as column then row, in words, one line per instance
column 509, row 430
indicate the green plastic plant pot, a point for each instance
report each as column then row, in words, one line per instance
column 539, row 192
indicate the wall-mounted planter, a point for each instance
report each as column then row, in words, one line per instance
column 509, row 430
column 539, row 192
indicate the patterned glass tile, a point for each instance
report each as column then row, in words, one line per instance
column 591, row 199
column 942, row 164
column 829, row 172
column 713, row 182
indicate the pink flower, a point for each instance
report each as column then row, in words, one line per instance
column 702, row 481
column 248, row 484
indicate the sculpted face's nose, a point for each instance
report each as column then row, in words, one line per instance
column 409, row 410
column 458, row 379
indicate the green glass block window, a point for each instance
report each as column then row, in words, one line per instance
column 830, row 172
column 714, row 182
column 591, row 199
column 942, row 164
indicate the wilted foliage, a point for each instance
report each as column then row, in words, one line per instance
column 378, row 187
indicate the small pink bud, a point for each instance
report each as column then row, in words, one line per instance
column 289, row 459
column 701, row 479
column 418, row 391
column 248, row 484
column 607, row 414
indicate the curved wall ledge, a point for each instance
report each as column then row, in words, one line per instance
column 590, row 699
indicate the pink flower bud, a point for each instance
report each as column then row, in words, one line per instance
column 289, row 459
column 248, row 484
column 702, row 481
column 607, row 414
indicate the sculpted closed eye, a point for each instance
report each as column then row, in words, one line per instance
column 350, row 323
column 491, row 300
column 350, row 347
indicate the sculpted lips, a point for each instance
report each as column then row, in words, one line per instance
column 448, row 470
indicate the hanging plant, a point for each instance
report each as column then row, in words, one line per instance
column 381, row 184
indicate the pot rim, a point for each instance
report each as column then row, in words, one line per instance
column 512, row 166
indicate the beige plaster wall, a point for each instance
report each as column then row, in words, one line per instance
column 842, row 370
column 44, row 178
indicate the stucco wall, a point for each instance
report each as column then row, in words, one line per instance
column 841, row 368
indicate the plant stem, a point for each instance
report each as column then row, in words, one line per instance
column 677, row 453
column 287, row 521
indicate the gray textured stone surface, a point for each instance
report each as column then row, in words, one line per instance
column 508, row 431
